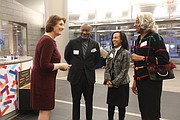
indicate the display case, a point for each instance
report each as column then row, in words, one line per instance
column 13, row 39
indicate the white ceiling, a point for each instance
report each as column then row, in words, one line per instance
column 38, row 5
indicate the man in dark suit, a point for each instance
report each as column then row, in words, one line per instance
column 83, row 54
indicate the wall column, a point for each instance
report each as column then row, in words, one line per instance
column 59, row 7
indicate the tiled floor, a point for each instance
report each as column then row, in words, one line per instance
column 29, row 115
column 170, row 102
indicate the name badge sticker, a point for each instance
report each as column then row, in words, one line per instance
column 111, row 55
column 76, row 52
column 143, row 44
column 93, row 50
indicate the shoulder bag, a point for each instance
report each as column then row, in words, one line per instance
column 160, row 72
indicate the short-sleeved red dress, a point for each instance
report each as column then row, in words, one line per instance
column 42, row 76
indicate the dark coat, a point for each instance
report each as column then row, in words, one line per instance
column 156, row 49
column 42, row 76
column 74, row 56
column 119, row 94
column 149, row 92
column 119, row 65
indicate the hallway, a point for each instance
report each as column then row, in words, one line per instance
column 170, row 101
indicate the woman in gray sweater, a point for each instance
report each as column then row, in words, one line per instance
column 116, row 75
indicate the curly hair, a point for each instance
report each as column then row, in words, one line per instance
column 147, row 22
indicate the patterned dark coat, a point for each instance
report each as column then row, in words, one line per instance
column 119, row 65
column 117, row 71
column 149, row 92
column 157, row 51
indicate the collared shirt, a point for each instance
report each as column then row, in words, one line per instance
column 116, row 49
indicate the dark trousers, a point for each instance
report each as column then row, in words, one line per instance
column 83, row 87
column 111, row 108
column 149, row 118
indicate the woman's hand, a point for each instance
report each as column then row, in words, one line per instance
column 64, row 66
column 135, row 57
column 134, row 88
column 109, row 84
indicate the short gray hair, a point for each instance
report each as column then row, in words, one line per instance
column 147, row 22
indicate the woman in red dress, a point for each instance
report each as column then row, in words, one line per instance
column 45, row 67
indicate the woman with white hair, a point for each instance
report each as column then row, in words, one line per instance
column 149, row 48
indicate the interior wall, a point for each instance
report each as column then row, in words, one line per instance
column 11, row 10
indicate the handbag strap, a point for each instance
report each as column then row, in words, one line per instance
column 149, row 42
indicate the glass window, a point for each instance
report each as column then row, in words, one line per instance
column 13, row 38
column 169, row 30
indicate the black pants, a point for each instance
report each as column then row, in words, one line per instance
column 149, row 118
column 111, row 108
column 83, row 87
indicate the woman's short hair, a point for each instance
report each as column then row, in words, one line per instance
column 147, row 22
column 52, row 21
